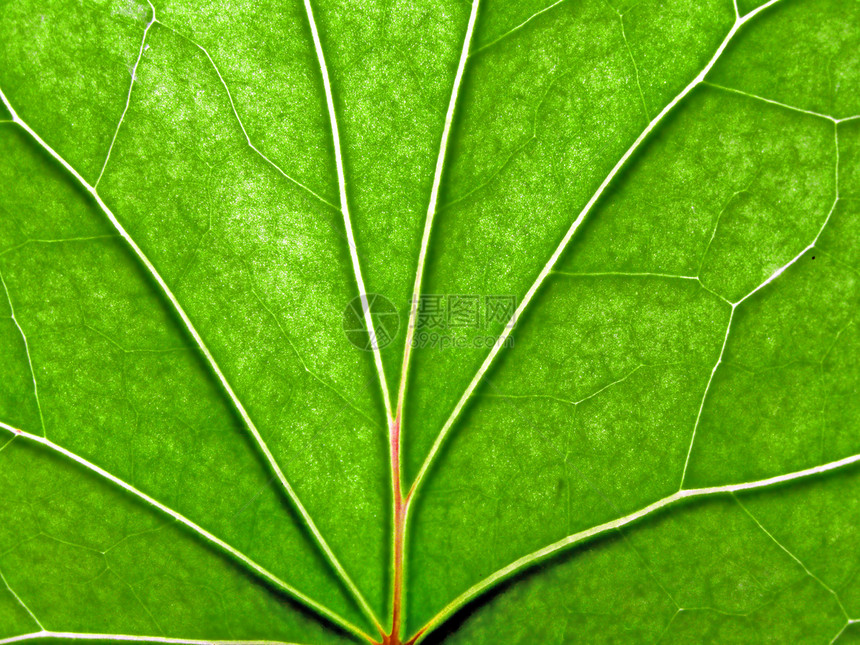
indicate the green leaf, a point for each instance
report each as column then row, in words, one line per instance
column 463, row 322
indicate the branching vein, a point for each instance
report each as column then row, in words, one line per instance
column 705, row 394
column 799, row 562
column 645, row 109
column 251, row 145
column 240, row 408
column 548, row 267
column 29, row 356
column 786, row 106
column 394, row 415
column 431, row 208
column 344, row 207
column 20, row 602
column 400, row 504
column 734, row 305
column 196, row 528
column 576, row 538
column 517, row 28
column 128, row 96
column 129, row 637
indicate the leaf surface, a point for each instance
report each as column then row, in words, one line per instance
column 657, row 445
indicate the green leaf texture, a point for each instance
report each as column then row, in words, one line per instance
column 656, row 444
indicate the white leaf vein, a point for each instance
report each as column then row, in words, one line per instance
column 196, row 528
column 252, row 428
column 581, row 536
column 548, row 267
column 344, row 207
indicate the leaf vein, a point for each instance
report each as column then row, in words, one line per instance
column 132, row 637
column 29, row 356
column 128, row 96
column 250, row 143
column 20, row 602
column 344, row 208
column 196, row 528
column 581, row 536
column 548, row 267
column 252, row 428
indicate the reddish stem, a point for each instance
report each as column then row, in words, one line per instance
column 399, row 516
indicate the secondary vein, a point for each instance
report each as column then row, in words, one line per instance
column 575, row 538
column 27, row 351
column 240, row 408
column 548, row 267
column 344, row 207
column 128, row 96
column 130, row 637
column 431, row 208
column 239, row 121
column 199, row 530
column 773, row 276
